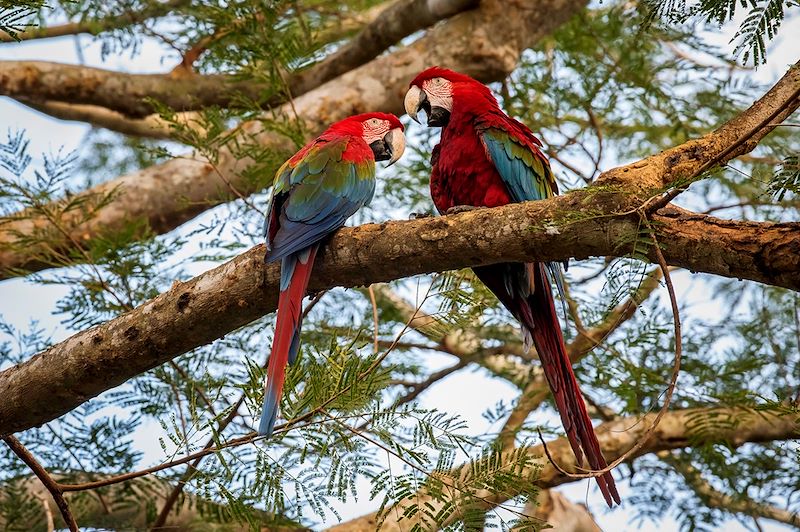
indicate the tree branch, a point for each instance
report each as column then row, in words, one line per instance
column 52, row 486
column 716, row 499
column 119, row 91
column 207, row 307
column 461, row 343
column 135, row 512
column 674, row 432
column 128, row 94
column 561, row 513
column 484, row 43
column 152, row 126
column 398, row 20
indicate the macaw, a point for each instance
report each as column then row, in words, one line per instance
column 314, row 192
column 485, row 159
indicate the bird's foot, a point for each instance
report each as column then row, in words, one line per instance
column 461, row 208
column 419, row 215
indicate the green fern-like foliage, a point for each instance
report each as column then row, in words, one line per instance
column 760, row 26
column 15, row 17
column 787, row 179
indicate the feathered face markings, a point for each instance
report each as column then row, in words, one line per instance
column 375, row 129
column 440, row 93
column 387, row 143
column 435, row 97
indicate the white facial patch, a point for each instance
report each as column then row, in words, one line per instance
column 440, row 92
column 375, row 129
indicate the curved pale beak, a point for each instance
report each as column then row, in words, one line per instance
column 396, row 142
column 414, row 101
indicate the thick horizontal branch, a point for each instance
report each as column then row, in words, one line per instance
column 120, row 91
column 484, row 43
column 616, row 437
column 197, row 312
column 128, row 94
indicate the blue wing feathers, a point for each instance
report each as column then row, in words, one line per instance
column 313, row 208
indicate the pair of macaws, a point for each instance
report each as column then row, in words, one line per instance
column 484, row 159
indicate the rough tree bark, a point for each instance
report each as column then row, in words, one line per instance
column 485, row 43
column 199, row 311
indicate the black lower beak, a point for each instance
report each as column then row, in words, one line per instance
column 438, row 117
column 381, row 150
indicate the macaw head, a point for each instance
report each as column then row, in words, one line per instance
column 383, row 132
column 438, row 90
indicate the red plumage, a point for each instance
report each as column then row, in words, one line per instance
column 287, row 332
column 465, row 173
column 313, row 194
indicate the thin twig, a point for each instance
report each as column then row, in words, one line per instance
column 312, row 304
column 52, row 486
column 48, row 512
column 197, row 389
column 172, row 498
column 450, row 485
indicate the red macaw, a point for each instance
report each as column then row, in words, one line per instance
column 314, row 192
column 485, row 159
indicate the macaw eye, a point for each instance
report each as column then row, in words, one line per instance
column 374, row 122
column 438, row 81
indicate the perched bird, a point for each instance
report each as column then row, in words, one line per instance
column 314, row 192
column 485, row 159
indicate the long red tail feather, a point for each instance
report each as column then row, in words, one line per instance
column 537, row 315
column 285, row 342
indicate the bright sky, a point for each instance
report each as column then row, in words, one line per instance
column 21, row 301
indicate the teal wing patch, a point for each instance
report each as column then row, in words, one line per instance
column 527, row 174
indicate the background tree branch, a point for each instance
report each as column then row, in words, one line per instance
column 678, row 429
column 44, row 477
column 128, row 508
column 94, row 27
column 716, row 499
column 152, row 126
column 130, row 94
